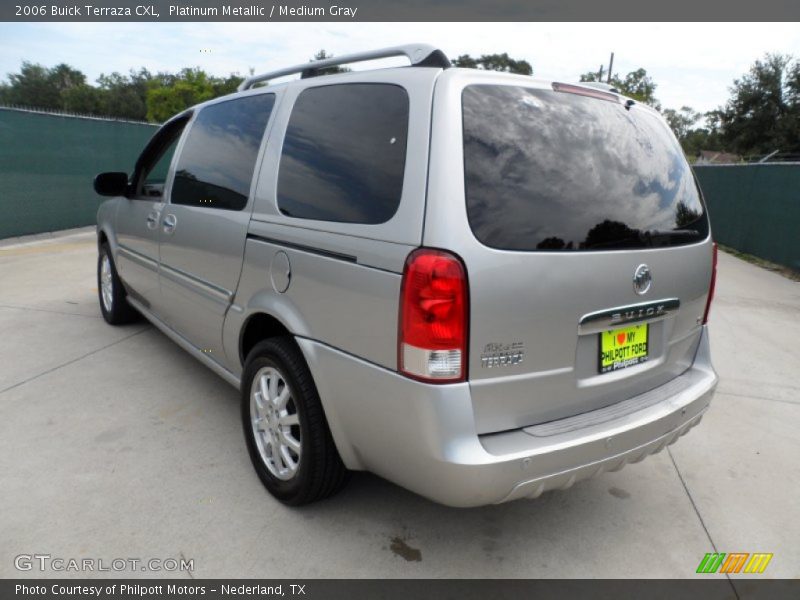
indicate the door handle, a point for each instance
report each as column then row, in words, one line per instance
column 152, row 220
column 169, row 224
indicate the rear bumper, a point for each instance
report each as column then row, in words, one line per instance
column 423, row 437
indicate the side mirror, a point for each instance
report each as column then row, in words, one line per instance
column 111, row 184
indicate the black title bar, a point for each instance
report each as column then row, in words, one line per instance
column 398, row 10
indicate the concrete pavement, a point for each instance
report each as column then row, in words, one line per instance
column 114, row 443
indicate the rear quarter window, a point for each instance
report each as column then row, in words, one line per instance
column 547, row 170
column 344, row 154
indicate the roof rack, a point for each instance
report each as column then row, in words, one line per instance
column 420, row 55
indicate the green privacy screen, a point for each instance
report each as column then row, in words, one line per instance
column 755, row 208
column 48, row 162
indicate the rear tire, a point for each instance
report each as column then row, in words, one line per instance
column 288, row 438
column 111, row 292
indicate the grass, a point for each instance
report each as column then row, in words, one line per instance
column 787, row 272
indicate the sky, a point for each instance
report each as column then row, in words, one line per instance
column 693, row 64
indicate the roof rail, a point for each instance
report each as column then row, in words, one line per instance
column 420, row 55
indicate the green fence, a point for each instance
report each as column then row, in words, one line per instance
column 48, row 162
column 755, row 208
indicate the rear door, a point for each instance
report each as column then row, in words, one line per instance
column 585, row 240
column 340, row 204
column 204, row 224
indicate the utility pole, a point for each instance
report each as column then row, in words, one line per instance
column 610, row 68
column 600, row 73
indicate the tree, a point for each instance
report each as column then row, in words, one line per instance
column 125, row 96
column 640, row 86
column 227, row 85
column 636, row 84
column 763, row 111
column 693, row 139
column 681, row 121
column 63, row 78
column 83, row 99
column 494, row 62
column 791, row 123
column 465, row 61
column 33, row 86
column 58, row 88
column 322, row 55
column 139, row 95
column 40, row 87
column 190, row 87
column 168, row 94
column 701, row 138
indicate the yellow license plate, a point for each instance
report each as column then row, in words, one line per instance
column 621, row 348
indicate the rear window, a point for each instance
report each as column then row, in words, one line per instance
column 344, row 154
column 548, row 170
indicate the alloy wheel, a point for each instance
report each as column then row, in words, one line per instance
column 276, row 424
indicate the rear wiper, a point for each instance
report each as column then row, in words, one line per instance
column 644, row 237
column 623, row 242
column 660, row 237
column 669, row 233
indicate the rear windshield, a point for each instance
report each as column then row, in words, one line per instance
column 547, row 170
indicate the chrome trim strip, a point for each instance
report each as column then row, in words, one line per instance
column 303, row 248
column 196, row 284
column 138, row 258
column 633, row 313
column 187, row 345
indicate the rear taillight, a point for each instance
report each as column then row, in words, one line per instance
column 434, row 307
column 711, row 285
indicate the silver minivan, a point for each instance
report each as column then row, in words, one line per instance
column 478, row 285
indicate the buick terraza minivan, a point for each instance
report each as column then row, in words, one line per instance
column 478, row 285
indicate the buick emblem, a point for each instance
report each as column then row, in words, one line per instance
column 642, row 280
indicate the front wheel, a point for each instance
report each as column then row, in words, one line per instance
column 287, row 434
column 111, row 292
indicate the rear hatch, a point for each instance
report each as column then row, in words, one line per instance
column 589, row 257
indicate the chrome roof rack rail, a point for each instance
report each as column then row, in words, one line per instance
column 420, row 55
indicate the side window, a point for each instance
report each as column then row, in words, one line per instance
column 344, row 154
column 215, row 167
column 153, row 165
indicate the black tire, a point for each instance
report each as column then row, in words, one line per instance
column 320, row 472
column 119, row 312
